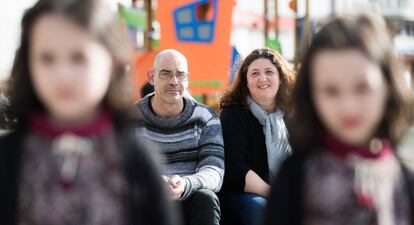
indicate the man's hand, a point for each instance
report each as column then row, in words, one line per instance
column 165, row 178
column 177, row 185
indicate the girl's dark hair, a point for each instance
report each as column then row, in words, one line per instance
column 101, row 22
column 239, row 91
column 4, row 103
column 369, row 36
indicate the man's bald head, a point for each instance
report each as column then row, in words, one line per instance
column 170, row 54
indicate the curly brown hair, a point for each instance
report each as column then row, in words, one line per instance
column 238, row 92
column 96, row 18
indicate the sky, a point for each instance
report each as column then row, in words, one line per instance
column 10, row 16
column 11, row 12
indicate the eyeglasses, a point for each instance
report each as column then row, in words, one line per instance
column 168, row 75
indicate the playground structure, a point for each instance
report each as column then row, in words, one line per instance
column 201, row 30
column 198, row 29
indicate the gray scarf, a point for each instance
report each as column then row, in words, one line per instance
column 276, row 135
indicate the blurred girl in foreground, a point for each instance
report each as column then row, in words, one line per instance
column 72, row 159
column 351, row 107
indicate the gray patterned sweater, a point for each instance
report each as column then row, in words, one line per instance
column 192, row 144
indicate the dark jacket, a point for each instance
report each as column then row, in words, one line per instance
column 244, row 147
column 146, row 201
column 285, row 203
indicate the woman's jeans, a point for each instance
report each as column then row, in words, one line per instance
column 242, row 208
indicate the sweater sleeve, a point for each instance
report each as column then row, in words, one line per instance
column 210, row 166
column 235, row 142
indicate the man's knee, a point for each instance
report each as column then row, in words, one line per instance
column 202, row 208
column 205, row 197
column 256, row 202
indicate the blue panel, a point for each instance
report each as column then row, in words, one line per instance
column 236, row 61
column 188, row 29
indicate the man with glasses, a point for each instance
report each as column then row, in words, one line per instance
column 189, row 136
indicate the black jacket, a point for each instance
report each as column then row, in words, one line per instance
column 244, row 147
column 146, row 202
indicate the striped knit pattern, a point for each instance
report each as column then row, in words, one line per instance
column 192, row 144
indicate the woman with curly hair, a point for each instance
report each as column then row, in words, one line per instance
column 254, row 133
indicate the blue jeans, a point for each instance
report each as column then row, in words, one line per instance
column 242, row 208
